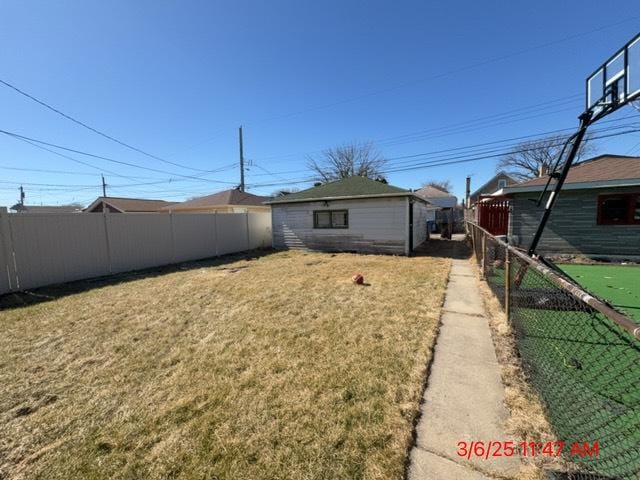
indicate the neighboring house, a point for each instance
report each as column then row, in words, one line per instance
column 437, row 197
column 18, row 208
column 449, row 213
column 125, row 205
column 227, row 201
column 352, row 214
column 498, row 181
column 597, row 213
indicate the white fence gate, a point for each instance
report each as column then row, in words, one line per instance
column 43, row 249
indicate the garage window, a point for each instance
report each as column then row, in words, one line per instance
column 622, row 209
column 331, row 219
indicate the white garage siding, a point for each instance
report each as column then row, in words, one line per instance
column 422, row 213
column 376, row 225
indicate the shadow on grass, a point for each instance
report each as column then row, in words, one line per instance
column 53, row 292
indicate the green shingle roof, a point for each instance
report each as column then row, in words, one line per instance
column 347, row 187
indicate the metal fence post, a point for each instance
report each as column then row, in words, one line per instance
column 483, row 265
column 507, row 283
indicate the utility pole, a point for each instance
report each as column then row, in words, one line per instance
column 104, row 187
column 21, row 196
column 241, row 160
column 467, row 192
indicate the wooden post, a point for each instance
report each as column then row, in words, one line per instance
column 507, row 283
column 241, row 159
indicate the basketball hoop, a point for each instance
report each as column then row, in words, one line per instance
column 613, row 85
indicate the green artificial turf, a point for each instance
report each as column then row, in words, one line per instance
column 587, row 370
column 617, row 284
column 584, row 366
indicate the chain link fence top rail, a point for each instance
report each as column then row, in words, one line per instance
column 581, row 356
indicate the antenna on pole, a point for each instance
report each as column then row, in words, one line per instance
column 241, row 159
column 104, row 187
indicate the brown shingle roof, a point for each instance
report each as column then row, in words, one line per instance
column 429, row 191
column 598, row 169
column 226, row 197
column 132, row 204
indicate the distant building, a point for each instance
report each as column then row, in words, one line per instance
column 437, row 197
column 450, row 217
column 227, row 201
column 498, row 181
column 125, row 205
column 18, row 208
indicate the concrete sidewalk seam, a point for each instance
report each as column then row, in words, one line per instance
column 464, row 313
column 468, row 466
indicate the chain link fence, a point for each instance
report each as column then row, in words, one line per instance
column 581, row 356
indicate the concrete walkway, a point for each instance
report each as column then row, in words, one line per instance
column 464, row 399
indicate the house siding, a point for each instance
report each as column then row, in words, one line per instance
column 490, row 187
column 375, row 226
column 573, row 225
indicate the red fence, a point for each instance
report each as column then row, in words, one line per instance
column 493, row 216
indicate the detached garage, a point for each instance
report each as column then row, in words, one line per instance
column 352, row 214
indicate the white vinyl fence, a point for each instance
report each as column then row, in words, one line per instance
column 43, row 249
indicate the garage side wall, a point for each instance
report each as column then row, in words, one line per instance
column 375, row 226
column 422, row 214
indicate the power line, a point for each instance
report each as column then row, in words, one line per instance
column 120, row 162
column 419, row 165
column 483, row 144
column 94, row 130
column 459, row 127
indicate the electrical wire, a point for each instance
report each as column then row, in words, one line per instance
column 94, row 130
column 120, row 162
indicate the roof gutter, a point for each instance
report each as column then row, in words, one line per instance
column 630, row 182
column 349, row 197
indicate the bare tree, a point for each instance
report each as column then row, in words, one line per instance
column 444, row 185
column 346, row 161
column 525, row 159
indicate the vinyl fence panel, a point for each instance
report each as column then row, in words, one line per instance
column 194, row 236
column 259, row 230
column 6, row 267
column 57, row 248
column 139, row 240
column 43, row 249
column 232, row 231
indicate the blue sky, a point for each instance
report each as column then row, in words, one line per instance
column 176, row 79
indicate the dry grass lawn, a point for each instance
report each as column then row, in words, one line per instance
column 272, row 367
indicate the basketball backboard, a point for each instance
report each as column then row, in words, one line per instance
column 616, row 82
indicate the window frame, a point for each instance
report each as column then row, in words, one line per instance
column 331, row 224
column 632, row 203
column 502, row 183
